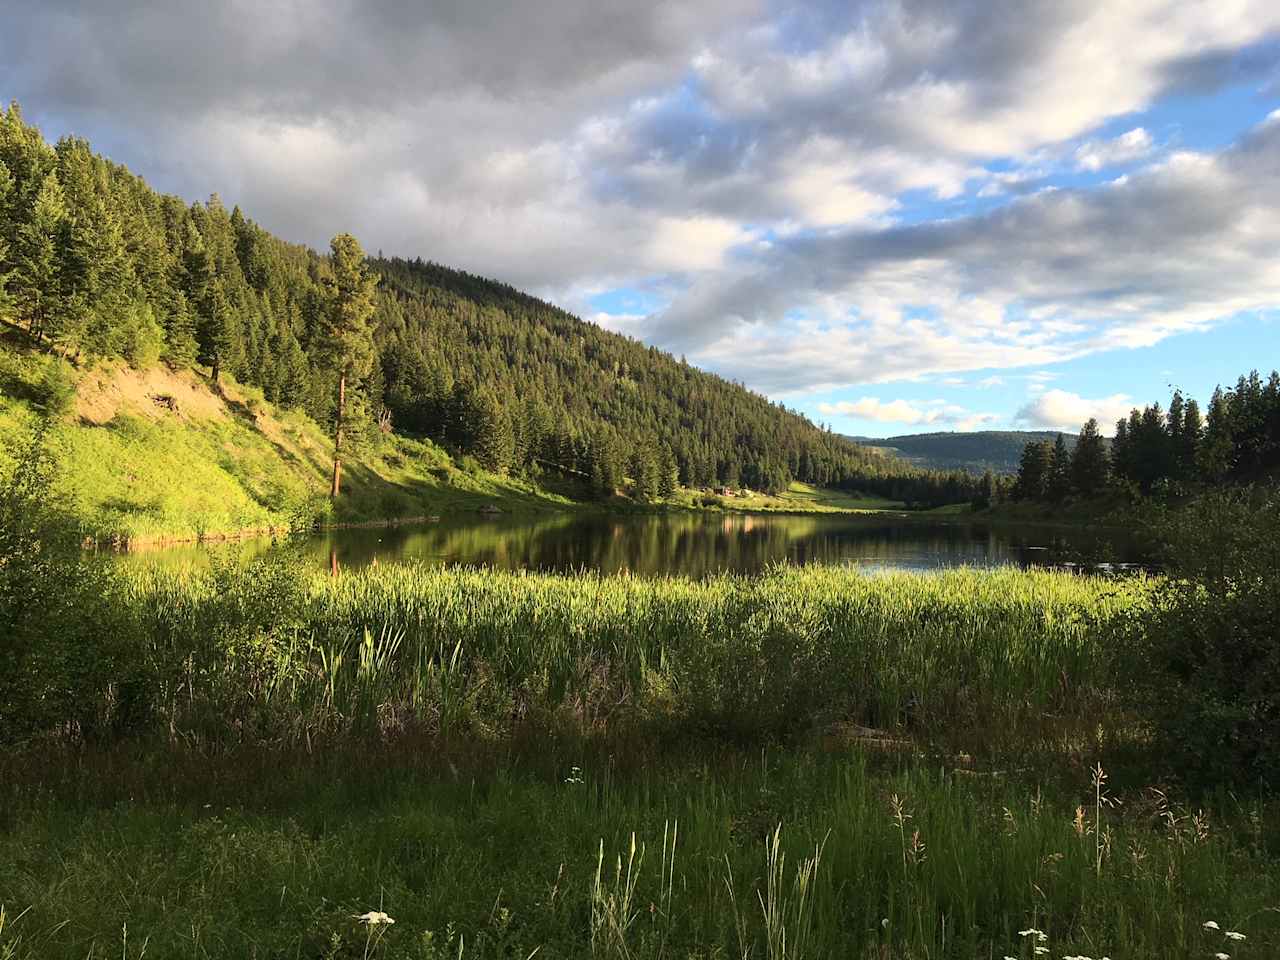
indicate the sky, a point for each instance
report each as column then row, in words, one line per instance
column 895, row 217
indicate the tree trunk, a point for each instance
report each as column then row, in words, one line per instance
column 337, row 439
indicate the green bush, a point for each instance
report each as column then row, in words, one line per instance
column 1208, row 647
column 62, row 627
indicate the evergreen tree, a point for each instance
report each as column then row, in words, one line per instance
column 1217, row 449
column 346, row 339
column 1090, row 466
column 668, row 473
column 181, row 349
column 6, row 268
column 36, row 279
column 605, row 470
column 494, row 440
column 1175, row 425
column 221, row 347
column 1033, row 471
column 1189, row 441
column 1058, row 485
column 643, row 468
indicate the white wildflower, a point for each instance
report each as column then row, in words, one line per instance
column 1211, row 925
column 1029, row 932
column 1235, row 935
column 373, row 918
column 1041, row 951
column 1222, row 956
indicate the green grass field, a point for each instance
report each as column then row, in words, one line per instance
column 813, row 763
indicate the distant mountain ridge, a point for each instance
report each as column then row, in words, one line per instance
column 977, row 452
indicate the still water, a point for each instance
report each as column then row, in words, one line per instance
column 696, row 545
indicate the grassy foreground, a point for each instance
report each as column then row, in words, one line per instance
column 813, row 763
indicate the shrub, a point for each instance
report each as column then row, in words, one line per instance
column 61, row 627
column 1208, row 647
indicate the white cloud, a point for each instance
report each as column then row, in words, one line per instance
column 1044, row 279
column 1098, row 154
column 932, row 412
column 1062, row 410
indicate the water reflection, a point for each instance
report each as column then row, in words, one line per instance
column 698, row 545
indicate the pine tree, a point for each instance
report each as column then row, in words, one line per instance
column 1217, row 450
column 1175, row 422
column 6, row 268
column 221, row 347
column 1189, row 441
column 494, row 440
column 345, row 344
column 181, row 349
column 668, row 473
column 1058, row 485
column 1033, row 471
column 643, row 468
column 1090, row 466
column 36, row 280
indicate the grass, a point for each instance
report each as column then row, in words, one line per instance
column 134, row 472
column 742, row 854
column 963, row 657
column 798, row 498
column 812, row 763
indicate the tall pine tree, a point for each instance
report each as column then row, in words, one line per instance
column 345, row 340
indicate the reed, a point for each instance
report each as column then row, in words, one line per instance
column 985, row 660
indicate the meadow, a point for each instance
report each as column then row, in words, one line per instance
column 811, row 763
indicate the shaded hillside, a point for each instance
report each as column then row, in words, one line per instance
column 995, row 450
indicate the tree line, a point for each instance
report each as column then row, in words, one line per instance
column 95, row 264
column 1156, row 452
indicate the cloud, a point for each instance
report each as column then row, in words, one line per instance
column 1062, row 410
column 1040, row 280
column 934, row 412
column 1098, row 154
column 760, row 160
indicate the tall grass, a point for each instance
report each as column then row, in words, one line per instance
column 985, row 660
column 780, row 856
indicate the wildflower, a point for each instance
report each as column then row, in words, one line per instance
column 1235, row 935
column 1211, row 925
column 1221, row 956
column 1030, row 932
column 1041, row 951
column 373, row 918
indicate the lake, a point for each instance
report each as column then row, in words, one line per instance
column 697, row 545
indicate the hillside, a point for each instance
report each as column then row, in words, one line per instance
column 98, row 267
column 157, row 456
column 995, row 450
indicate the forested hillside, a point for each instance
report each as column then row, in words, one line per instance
column 996, row 450
column 96, row 265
